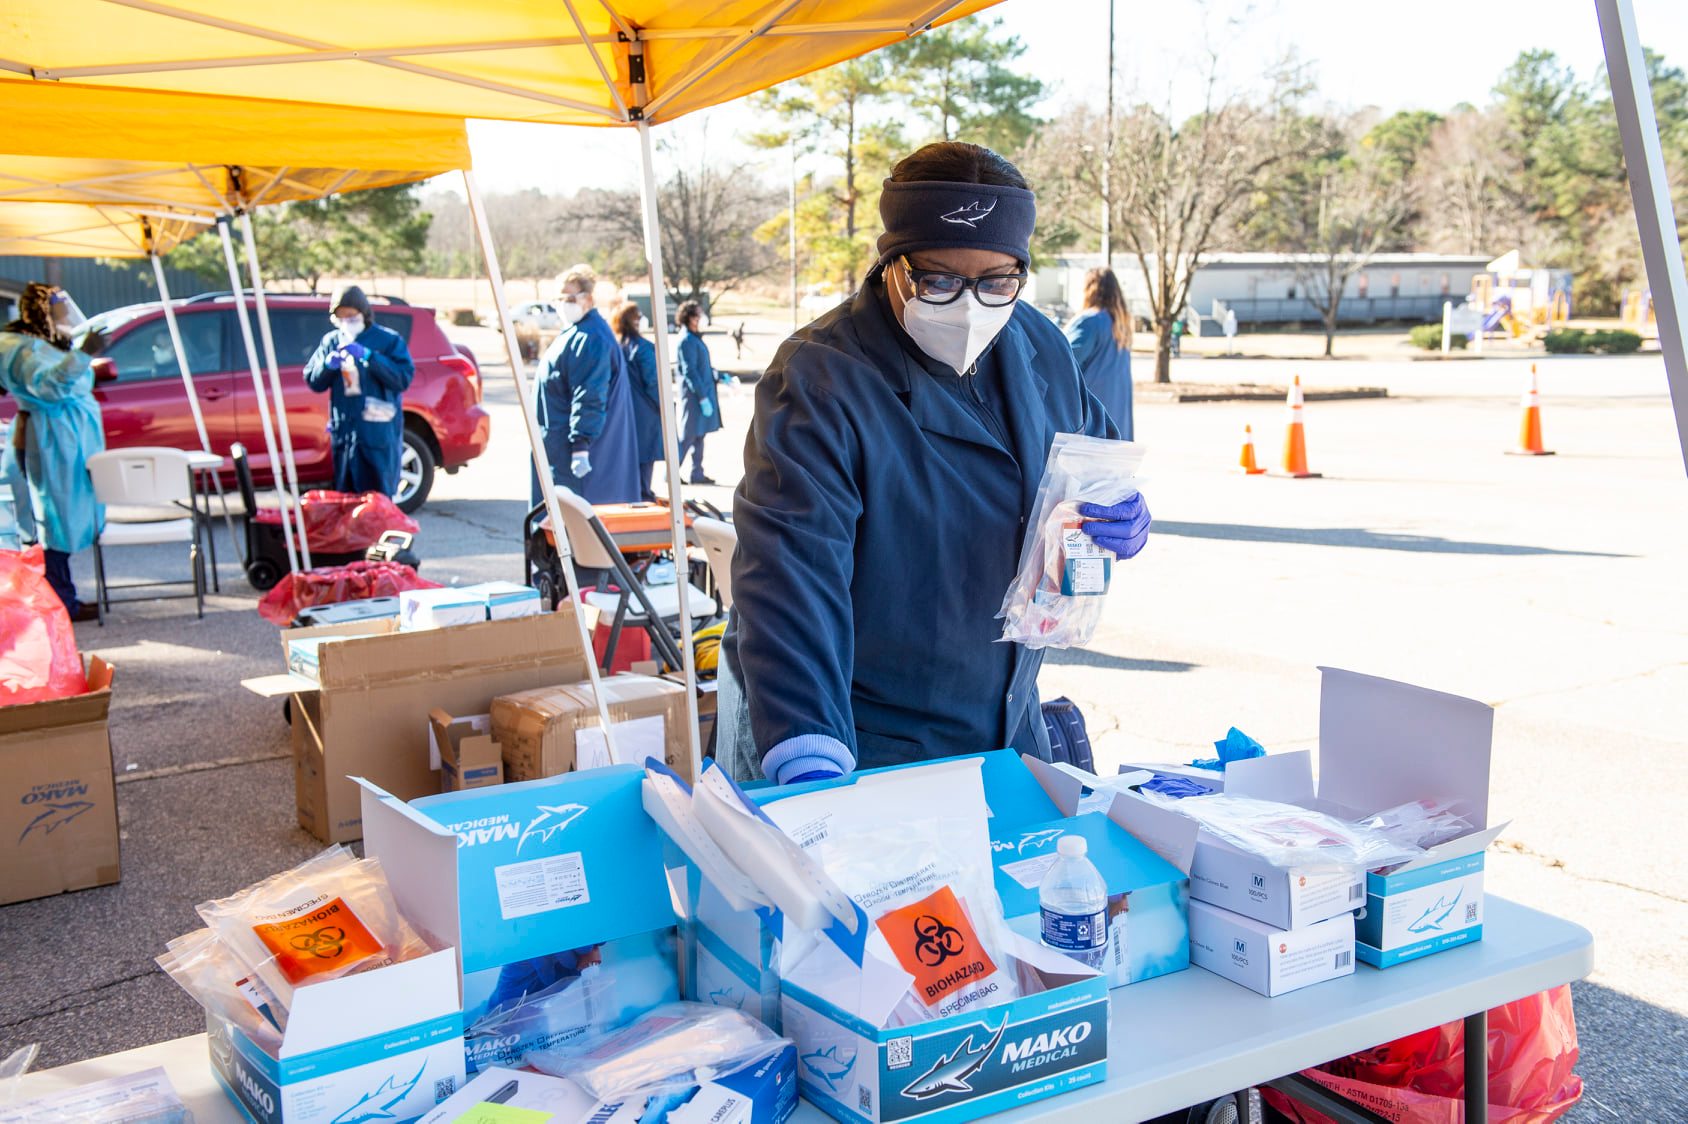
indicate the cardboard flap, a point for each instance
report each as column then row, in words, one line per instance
column 548, row 640
column 1476, row 841
column 274, row 686
column 371, row 1003
column 1284, row 777
column 73, row 710
column 1384, row 743
column 1063, row 783
column 1163, row 831
column 419, row 858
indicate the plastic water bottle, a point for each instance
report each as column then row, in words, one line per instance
column 1073, row 903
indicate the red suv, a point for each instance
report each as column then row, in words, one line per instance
column 142, row 398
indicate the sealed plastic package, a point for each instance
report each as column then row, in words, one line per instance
column 328, row 917
column 1056, row 597
column 207, row 970
column 1287, row 835
column 669, row 1050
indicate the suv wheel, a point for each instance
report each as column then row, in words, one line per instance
column 416, row 472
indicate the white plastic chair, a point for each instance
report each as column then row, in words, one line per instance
column 719, row 539
column 637, row 603
column 148, row 493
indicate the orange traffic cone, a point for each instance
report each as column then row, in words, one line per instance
column 1529, row 430
column 1295, row 438
column 1246, row 461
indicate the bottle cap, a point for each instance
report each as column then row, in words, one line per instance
column 1072, row 846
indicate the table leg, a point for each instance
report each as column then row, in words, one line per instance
column 210, row 537
column 1477, row 1068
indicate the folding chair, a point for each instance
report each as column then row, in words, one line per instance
column 657, row 608
column 719, row 539
column 149, row 500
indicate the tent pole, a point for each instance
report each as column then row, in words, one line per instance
column 536, row 441
column 670, row 434
column 223, row 223
column 192, row 392
column 1649, row 184
column 283, row 433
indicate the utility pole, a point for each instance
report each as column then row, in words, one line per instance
column 1108, row 156
column 791, row 232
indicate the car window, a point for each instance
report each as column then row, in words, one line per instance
column 144, row 351
column 399, row 322
column 298, row 332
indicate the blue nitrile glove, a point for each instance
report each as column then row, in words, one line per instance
column 337, row 358
column 815, row 775
column 1122, row 528
column 356, row 351
column 580, row 464
column 1234, row 746
column 708, row 408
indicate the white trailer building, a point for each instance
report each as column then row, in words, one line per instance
column 1265, row 289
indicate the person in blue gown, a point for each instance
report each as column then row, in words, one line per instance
column 365, row 369
column 640, row 354
column 583, row 402
column 700, row 407
column 891, row 468
column 1101, row 339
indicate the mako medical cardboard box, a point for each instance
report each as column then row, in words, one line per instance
column 536, row 884
column 1047, row 1040
column 421, row 609
column 380, row 1045
column 366, row 714
column 1270, row 961
column 58, row 805
column 556, row 729
column 1383, row 744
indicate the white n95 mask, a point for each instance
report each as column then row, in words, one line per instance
column 571, row 311
column 349, row 328
column 955, row 334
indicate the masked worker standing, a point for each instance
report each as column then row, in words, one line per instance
column 1101, row 340
column 57, row 429
column 365, row 369
column 890, row 472
column 700, row 410
column 583, row 402
column 640, row 354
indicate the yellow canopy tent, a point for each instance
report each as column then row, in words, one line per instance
column 570, row 62
column 169, row 161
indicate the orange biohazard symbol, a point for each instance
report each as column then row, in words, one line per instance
column 935, row 943
column 326, row 941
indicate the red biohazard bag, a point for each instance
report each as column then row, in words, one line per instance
column 344, row 522
column 1420, row 1079
column 356, row 581
column 38, row 657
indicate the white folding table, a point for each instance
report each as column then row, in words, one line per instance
column 1174, row 1041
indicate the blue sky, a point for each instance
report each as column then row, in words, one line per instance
column 1362, row 53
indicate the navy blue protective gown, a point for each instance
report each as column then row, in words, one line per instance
column 697, row 380
column 367, row 427
column 880, row 521
column 647, row 397
column 1105, row 365
column 584, row 404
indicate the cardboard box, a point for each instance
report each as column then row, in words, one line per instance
column 368, row 714
column 531, row 883
column 553, row 730
column 1383, row 744
column 388, row 1040
column 708, row 694
column 507, row 600
column 439, row 608
column 58, row 805
column 1270, row 961
column 468, row 753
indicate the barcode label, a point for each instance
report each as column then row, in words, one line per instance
column 1357, row 892
column 864, row 1100
column 1471, row 913
column 1344, row 959
column 899, row 1053
column 444, row 1088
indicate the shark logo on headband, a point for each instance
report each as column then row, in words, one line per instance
column 970, row 215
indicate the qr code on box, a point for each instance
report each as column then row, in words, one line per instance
column 443, row 1088
column 899, row 1053
column 864, row 1100
column 1471, row 913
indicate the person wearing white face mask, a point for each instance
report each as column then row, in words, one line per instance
column 890, row 470
column 647, row 394
column 583, row 403
column 365, row 369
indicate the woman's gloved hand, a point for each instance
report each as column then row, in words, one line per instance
column 356, row 351
column 708, row 408
column 814, row 775
column 580, row 464
column 1122, row 527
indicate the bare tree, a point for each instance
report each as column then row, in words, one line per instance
column 1467, row 205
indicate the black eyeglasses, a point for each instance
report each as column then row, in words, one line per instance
column 934, row 286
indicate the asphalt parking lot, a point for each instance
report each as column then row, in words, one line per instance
column 1551, row 588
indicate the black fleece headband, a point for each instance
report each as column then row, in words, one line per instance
column 936, row 215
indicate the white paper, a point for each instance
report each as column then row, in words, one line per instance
column 635, row 740
column 1030, row 872
column 539, row 886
